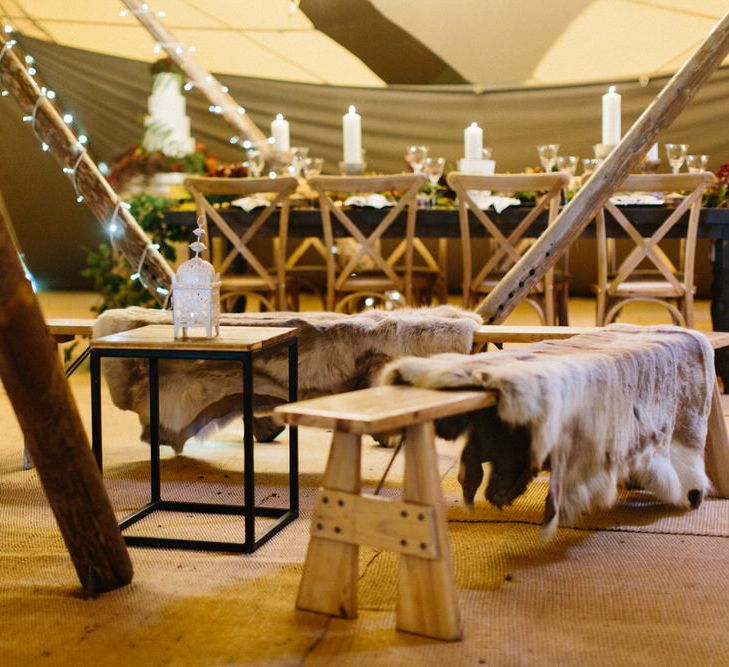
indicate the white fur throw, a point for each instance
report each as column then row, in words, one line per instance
column 624, row 404
column 337, row 353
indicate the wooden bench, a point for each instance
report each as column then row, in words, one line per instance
column 415, row 526
column 64, row 329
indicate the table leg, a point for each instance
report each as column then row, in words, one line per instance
column 293, row 431
column 154, row 472
column 720, row 305
column 95, row 368
column 249, row 497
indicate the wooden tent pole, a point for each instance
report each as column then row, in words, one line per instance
column 83, row 173
column 550, row 246
column 202, row 78
column 33, row 378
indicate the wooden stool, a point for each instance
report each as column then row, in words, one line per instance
column 415, row 526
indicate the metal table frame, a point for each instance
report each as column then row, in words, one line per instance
column 248, row 510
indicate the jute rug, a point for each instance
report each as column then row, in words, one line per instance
column 638, row 585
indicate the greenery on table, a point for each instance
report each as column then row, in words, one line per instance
column 717, row 195
column 110, row 272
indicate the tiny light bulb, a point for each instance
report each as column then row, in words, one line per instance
column 163, row 290
column 134, row 276
column 82, row 138
column 44, row 146
column 157, row 48
column 224, row 89
column 51, row 95
column 80, row 199
column 234, row 140
column 8, row 29
column 192, row 48
column 189, row 86
column 113, row 228
column 145, row 7
column 5, row 93
column 247, row 144
column 352, row 109
column 67, row 118
column 178, row 50
column 103, row 168
column 161, row 13
column 67, row 170
column 241, row 110
column 123, row 12
column 611, row 89
column 32, row 71
column 29, row 59
column 27, row 119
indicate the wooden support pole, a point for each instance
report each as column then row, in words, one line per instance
column 202, row 78
column 83, row 173
column 553, row 243
column 33, row 378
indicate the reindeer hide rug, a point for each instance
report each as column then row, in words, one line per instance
column 624, row 404
column 337, row 353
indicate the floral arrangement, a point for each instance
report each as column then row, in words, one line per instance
column 717, row 195
column 137, row 161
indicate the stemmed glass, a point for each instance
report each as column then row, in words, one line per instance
column 312, row 167
column 548, row 156
column 589, row 164
column 433, row 168
column 568, row 164
column 298, row 155
column 255, row 161
column 696, row 163
column 676, row 154
column 415, row 157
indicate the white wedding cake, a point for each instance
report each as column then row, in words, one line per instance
column 167, row 127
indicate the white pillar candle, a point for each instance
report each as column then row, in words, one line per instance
column 653, row 153
column 473, row 142
column 611, row 133
column 280, row 133
column 352, row 136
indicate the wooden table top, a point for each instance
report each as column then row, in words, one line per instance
column 382, row 409
column 161, row 337
column 71, row 326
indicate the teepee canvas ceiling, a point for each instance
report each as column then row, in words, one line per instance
column 488, row 43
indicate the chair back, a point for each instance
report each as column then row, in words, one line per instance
column 407, row 185
column 203, row 187
column 506, row 250
column 671, row 281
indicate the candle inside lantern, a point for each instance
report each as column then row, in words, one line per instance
column 352, row 136
column 280, row 133
column 611, row 132
column 473, row 142
column 653, row 153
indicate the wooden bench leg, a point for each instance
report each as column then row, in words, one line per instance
column 329, row 582
column 717, row 447
column 427, row 601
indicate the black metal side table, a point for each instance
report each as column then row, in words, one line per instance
column 239, row 344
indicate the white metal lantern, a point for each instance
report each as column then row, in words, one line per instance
column 196, row 293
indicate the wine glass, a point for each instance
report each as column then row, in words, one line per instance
column 415, row 157
column 696, row 163
column 433, row 168
column 589, row 164
column 548, row 156
column 298, row 155
column 312, row 167
column 255, row 161
column 676, row 154
column 568, row 164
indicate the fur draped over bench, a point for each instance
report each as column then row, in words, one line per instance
column 337, row 353
column 625, row 404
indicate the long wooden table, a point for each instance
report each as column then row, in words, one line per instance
column 441, row 223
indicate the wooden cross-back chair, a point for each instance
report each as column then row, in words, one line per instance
column 505, row 250
column 647, row 274
column 268, row 285
column 346, row 284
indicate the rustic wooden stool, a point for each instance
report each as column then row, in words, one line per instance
column 415, row 526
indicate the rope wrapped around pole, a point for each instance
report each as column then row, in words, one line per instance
column 89, row 183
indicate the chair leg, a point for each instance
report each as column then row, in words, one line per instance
column 329, row 581
column 427, row 600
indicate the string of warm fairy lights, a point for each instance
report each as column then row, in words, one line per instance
column 207, row 83
column 47, row 96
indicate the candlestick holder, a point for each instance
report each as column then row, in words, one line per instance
column 602, row 150
column 352, row 169
column 476, row 166
column 279, row 161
